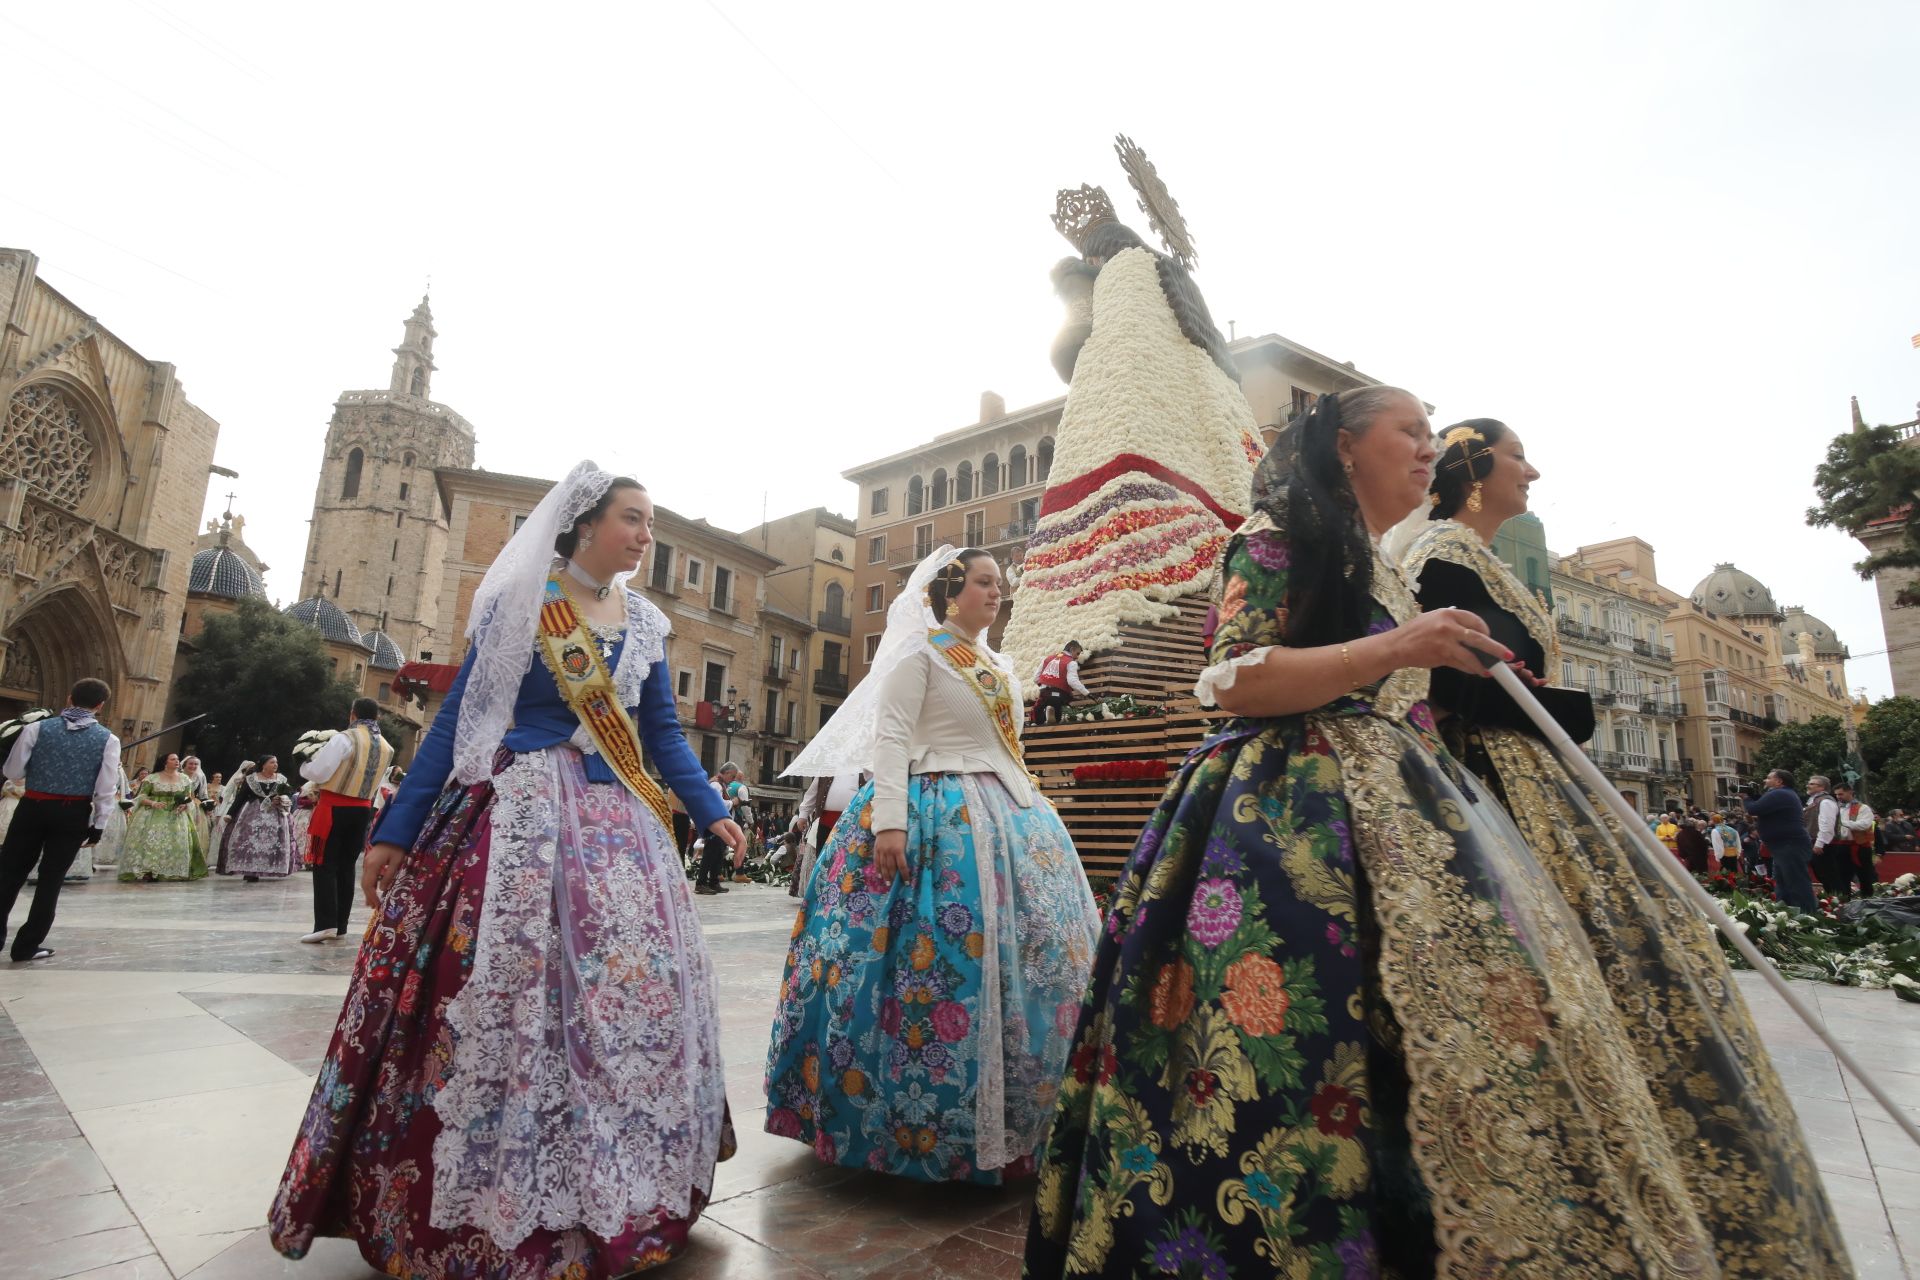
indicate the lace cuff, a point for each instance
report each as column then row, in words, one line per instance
column 1221, row 675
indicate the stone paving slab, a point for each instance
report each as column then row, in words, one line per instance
column 154, row 1071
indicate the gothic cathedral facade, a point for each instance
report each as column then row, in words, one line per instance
column 378, row 539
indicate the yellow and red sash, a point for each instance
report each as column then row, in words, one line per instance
column 988, row 685
column 573, row 655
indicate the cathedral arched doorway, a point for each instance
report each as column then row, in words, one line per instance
column 61, row 638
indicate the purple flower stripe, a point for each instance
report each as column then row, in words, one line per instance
column 1123, row 496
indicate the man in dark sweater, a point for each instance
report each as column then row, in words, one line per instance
column 1778, row 818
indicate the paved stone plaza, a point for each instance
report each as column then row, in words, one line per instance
column 153, row 1072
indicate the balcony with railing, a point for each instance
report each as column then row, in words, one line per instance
column 777, row 674
column 1623, row 762
column 1665, row 710
column 838, row 623
column 1581, row 631
column 1656, row 652
column 830, row 683
column 994, row 538
column 1766, row 724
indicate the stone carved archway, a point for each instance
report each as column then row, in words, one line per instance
column 67, row 635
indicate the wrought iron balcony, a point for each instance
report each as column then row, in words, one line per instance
column 829, row 682
column 776, row 674
column 837, row 623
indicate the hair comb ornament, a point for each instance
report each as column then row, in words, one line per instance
column 1460, row 435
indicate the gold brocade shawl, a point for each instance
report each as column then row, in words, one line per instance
column 572, row 654
column 1455, row 543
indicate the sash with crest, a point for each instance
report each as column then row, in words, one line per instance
column 573, row 655
column 988, row 684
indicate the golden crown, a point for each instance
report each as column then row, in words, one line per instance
column 1077, row 213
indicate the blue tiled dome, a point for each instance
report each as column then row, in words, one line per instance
column 218, row 571
column 386, row 654
column 324, row 616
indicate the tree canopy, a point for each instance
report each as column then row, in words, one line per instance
column 1805, row 748
column 1870, row 474
column 1890, row 741
column 263, row 680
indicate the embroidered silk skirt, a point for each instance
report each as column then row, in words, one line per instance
column 259, row 842
column 525, row 1082
column 923, row 1023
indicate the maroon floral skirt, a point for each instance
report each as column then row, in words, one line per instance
column 362, row 1165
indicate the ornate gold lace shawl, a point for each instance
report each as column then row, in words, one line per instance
column 1455, row 543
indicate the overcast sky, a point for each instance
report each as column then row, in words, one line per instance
column 739, row 247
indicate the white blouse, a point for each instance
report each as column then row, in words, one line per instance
column 932, row 721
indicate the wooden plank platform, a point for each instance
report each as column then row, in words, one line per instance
column 1157, row 664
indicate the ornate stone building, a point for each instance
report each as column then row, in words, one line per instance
column 103, row 475
column 813, row 589
column 378, row 541
column 1899, row 623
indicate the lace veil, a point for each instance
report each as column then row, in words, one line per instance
column 844, row 744
column 505, row 616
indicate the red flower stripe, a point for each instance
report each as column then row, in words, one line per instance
column 1078, row 490
column 1121, row 525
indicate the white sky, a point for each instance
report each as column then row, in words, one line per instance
column 737, row 249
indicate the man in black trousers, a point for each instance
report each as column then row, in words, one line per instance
column 71, row 766
column 349, row 769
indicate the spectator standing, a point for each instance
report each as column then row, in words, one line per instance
column 1854, row 839
column 713, row 854
column 1691, row 846
column 1822, row 820
column 1778, row 818
column 1726, row 844
column 1898, row 830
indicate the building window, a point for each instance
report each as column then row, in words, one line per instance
column 837, row 555
column 716, row 683
column 406, row 459
column 683, row 687
column 1043, row 460
column 990, row 475
column 826, row 712
column 405, row 488
column 778, row 647
column 419, row 385
column 709, row 754
column 517, row 522
column 662, row 578
column 922, row 541
column 1299, row 401
column 836, row 600
column 336, row 584
column 696, row 571
column 963, row 482
column 916, row 496
column 1029, row 515
column 976, row 528
column 876, row 598
column 1566, row 673
column 877, row 549
column 877, row 503
column 939, row 496
column 1017, row 467
column 1586, row 614
column 389, row 584
column 400, row 520
column 350, row 487
column 723, row 589
column 793, row 660
column 873, row 647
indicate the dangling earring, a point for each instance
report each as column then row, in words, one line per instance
column 1473, row 499
column 1347, row 467
column 586, row 539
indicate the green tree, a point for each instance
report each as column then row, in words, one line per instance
column 1869, row 475
column 1890, row 742
column 263, row 680
column 1811, row 746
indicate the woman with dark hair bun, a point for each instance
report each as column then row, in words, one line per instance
column 1749, row 1175
column 1342, row 1022
column 939, row 958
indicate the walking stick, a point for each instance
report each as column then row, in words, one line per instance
column 161, row 733
column 1667, row 868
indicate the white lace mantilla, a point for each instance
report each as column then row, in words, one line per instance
column 586, row 1087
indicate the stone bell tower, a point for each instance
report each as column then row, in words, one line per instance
column 378, row 538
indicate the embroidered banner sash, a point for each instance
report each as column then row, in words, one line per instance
column 988, row 685
column 573, row 655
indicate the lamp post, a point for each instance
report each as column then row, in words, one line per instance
column 734, row 715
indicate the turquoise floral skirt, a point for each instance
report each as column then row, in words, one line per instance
column 924, row 1023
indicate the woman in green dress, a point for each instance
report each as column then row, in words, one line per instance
column 160, row 842
column 1747, row 1162
column 1343, row 1023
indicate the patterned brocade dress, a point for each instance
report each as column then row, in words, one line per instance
column 1753, row 1179
column 161, row 842
column 525, row 1082
column 1343, row 1023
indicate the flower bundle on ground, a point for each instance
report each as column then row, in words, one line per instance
column 1119, row 707
column 1853, row 953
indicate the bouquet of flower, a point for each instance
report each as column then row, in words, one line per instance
column 310, row 743
column 1119, row 707
column 1864, row 952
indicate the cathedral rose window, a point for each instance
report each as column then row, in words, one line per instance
column 46, row 443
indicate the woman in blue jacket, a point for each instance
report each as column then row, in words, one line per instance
column 525, row 1080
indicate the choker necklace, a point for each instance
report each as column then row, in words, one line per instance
column 585, row 579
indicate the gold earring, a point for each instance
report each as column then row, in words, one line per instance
column 1473, row 499
column 1433, row 499
column 1347, row 466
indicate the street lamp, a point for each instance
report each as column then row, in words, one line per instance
column 734, row 715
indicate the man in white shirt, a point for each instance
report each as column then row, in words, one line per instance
column 1830, row 864
column 70, row 764
column 1854, row 833
column 1058, row 680
column 348, row 769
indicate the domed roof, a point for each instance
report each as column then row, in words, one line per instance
column 1825, row 642
column 1735, row 594
column 218, row 571
column 386, row 654
column 324, row 616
